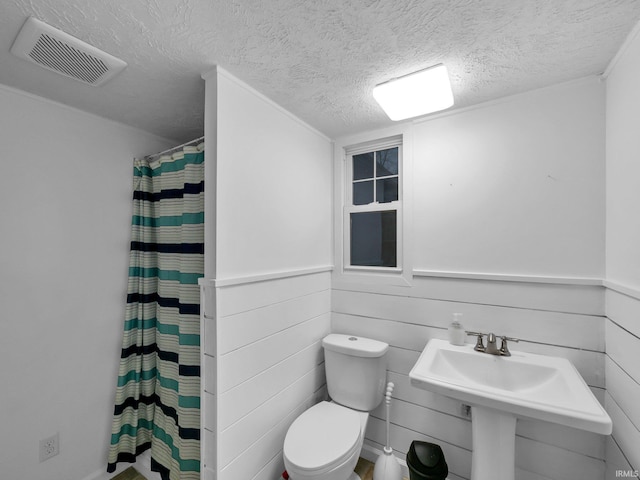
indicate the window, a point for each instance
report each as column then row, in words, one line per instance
column 372, row 212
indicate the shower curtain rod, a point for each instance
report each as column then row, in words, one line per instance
column 149, row 157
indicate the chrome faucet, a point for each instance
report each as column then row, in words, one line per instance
column 492, row 348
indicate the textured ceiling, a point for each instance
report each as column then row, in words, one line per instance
column 317, row 58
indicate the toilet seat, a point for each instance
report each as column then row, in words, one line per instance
column 322, row 437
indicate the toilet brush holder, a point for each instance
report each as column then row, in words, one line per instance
column 387, row 466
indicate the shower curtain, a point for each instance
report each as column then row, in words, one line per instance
column 157, row 403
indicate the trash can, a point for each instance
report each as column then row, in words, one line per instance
column 426, row 461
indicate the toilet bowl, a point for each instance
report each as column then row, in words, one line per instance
column 324, row 442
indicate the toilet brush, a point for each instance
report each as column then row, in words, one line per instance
column 387, row 466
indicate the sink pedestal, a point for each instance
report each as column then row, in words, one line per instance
column 493, row 444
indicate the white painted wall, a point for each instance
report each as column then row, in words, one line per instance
column 264, row 366
column 623, row 168
column 508, row 228
column 274, row 186
column 267, row 297
column 623, row 259
column 65, row 213
column 514, row 186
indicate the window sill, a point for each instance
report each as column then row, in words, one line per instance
column 357, row 269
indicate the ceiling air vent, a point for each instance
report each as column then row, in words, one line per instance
column 55, row 50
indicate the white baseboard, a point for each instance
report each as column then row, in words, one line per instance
column 103, row 475
column 143, row 465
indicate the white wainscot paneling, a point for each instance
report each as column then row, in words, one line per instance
column 524, row 475
column 208, row 454
column 248, row 296
column 209, row 413
column 577, row 441
column 209, row 343
column 446, row 428
column 623, row 380
column 556, row 463
column 268, row 366
column 540, row 326
column 624, row 390
column 209, row 373
column 207, row 297
column 624, row 310
column 208, row 474
column 240, row 400
column 616, row 461
column 624, row 349
column 557, row 297
column 241, row 364
column 625, row 434
column 584, row 297
column 250, row 326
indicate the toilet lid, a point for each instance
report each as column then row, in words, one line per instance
column 322, row 437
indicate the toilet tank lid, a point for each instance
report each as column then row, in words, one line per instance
column 353, row 345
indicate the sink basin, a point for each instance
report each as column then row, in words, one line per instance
column 501, row 389
column 527, row 385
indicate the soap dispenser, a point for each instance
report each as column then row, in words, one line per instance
column 456, row 331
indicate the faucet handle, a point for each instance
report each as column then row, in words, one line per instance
column 479, row 345
column 504, row 348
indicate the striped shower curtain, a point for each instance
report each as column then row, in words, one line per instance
column 157, row 402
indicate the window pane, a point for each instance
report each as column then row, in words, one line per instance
column 363, row 193
column 387, row 190
column 373, row 239
column 363, row 166
column 387, row 162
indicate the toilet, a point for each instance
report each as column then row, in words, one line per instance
column 325, row 441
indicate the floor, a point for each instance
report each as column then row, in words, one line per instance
column 364, row 469
column 129, row 474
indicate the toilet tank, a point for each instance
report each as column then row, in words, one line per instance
column 356, row 370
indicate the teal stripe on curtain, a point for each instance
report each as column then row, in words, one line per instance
column 157, row 403
column 173, row 220
column 174, row 275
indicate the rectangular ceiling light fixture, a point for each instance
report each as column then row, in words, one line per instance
column 415, row 94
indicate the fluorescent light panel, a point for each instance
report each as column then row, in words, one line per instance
column 415, row 94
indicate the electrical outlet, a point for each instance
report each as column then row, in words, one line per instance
column 49, row 447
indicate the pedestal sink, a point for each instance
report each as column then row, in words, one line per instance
column 502, row 389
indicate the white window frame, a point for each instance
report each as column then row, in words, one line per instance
column 349, row 207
